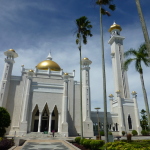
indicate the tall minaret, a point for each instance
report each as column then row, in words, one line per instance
column 86, row 99
column 4, row 88
column 120, row 76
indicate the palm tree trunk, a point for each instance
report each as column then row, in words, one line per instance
column 104, row 79
column 143, row 24
column 145, row 99
column 81, row 89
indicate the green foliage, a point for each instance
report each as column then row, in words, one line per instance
column 4, row 120
column 1, row 138
column 129, row 136
column 82, row 140
column 83, row 30
column 144, row 132
column 144, row 120
column 123, row 133
column 77, row 139
column 86, row 143
column 135, row 145
column 104, row 3
column 109, row 133
column 102, row 133
column 134, row 132
column 96, row 144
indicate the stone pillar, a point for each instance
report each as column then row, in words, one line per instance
column 39, row 125
column 24, row 120
column 136, row 111
column 65, row 106
column 50, row 119
column 59, row 122
column 120, row 113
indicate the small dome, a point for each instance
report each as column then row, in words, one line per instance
column 114, row 26
column 48, row 64
column 85, row 58
column 65, row 73
column 31, row 70
column 12, row 50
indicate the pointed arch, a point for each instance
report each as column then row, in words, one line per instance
column 129, row 122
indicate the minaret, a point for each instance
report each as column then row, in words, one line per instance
column 117, row 53
column 4, row 88
column 86, row 99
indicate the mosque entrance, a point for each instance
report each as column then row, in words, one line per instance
column 54, row 122
column 45, row 121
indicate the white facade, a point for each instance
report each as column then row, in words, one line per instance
column 45, row 100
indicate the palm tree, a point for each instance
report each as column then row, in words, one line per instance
column 83, row 31
column 104, row 12
column 143, row 24
column 139, row 56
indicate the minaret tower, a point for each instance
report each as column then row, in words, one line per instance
column 120, row 76
column 86, row 98
column 4, row 88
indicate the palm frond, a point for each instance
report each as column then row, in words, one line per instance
column 131, row 52
column 127, row 63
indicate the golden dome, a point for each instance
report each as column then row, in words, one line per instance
column 48, row 64
column 85, row 58
column 111, row 95
column 114, row 26
column 12, row 50
column 31, row 70
column 65, row 73
column 133, row 92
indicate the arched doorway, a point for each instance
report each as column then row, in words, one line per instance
column 54, row 121
column 45, row 120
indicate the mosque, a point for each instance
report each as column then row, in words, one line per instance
column 46, row 98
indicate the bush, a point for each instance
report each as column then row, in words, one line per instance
column 102, row 133
column 109, row 133
column 82, row 140
column 96, row 144
column 5, row 144
column 77, row 139
column 144, row 132
column 4, row 120
column 123, row 133
column 129, row 136
column 134, row 132
column 86, row 143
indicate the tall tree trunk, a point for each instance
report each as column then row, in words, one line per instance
column 81, row 89
column 145, row 99
column 104, row 79
column 143, row 24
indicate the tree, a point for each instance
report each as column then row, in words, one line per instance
column 143, row 24
column 83, row 31
column 103, row 11
column 139, row 56
column 144, row 120
column 4, row 121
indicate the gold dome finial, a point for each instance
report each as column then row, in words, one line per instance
column 115, row 26
column 12, row 50
column 31, row 70
column 66, row 73
column 85, row 58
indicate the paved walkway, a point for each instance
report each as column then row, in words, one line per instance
column 46, row 145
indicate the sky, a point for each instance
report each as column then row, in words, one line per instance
column 33, row 28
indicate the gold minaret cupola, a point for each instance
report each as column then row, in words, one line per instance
column 115, row 29
column 48, row 64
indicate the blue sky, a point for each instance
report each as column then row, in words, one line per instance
column 34, row 27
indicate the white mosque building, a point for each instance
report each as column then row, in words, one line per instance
column 46, row 98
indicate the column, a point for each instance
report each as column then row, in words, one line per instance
column 136, row 111
column 120, row 113
column 58, row 122
column 50, row 119
column 39, row 125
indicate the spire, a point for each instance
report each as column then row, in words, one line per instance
column 49, row 57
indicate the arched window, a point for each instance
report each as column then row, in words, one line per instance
column 129, row 122
column 116, row 126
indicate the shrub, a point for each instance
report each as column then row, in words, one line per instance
column 144, row 132
column 96, row 144
column 123, row 133
column 77, row 139
column 109, row 133
column 129, row 136
column 82, row 140
column 134, row 132
column 86, row 143
column 4, row 120
column 5, row 144
column 102, row 133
